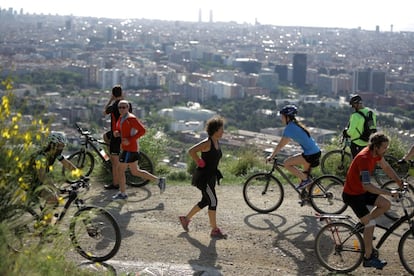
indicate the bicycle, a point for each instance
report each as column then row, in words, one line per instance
column 339, row 245
column 337, row 162
column 93, row 231
column 264, row 193
column 84, row 159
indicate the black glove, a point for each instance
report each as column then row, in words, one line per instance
column 402, row 161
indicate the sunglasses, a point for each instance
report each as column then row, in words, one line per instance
column 122, row 107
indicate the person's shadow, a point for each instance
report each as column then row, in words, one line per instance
column 206, row 262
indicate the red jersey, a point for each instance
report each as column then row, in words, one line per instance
column 364, row 161
column 132, row 129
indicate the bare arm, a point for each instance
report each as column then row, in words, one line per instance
column 283, row 142
column 390, row 172
column 199, row 147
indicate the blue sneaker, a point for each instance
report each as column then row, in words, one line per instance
column 161, row 184
column 304, row 183
column 121, row 196
column 374, row 262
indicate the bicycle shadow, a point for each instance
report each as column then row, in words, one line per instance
column 123, row 210
column 207, row 258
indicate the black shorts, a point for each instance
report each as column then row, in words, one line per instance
column 313, row 159
column 359, row 203
column 114, row 143
column 128, row 157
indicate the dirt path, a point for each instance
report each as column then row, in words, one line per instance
column 280, row 243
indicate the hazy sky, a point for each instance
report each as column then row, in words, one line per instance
column 318, row 13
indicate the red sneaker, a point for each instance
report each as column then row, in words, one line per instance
column 217, row 234
column 184, row 222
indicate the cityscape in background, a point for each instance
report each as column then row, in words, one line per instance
column 175, row 61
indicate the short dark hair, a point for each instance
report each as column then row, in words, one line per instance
column 117, row 91
column 214, row 124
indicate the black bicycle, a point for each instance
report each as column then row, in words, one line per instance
column 339, row 245
column 84, row 159
column 264, row 193
column 337, row 162
column 93, row 231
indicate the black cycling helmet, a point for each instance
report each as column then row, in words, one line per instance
column 289, row 110
column 356, row 99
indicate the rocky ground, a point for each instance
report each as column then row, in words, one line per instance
column 279, row 243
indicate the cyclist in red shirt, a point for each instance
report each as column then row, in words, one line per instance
column 359, row 192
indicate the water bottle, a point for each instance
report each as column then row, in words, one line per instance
column 103, row 154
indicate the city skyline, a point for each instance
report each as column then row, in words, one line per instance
column 318, row 13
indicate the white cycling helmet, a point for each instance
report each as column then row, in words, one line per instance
column 56, row 137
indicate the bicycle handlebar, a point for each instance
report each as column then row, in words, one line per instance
column 82, row 131
column 82, row 182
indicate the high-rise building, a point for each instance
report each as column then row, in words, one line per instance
column 299, row 70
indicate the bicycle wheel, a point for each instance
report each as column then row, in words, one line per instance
column 325, row 195
column 338, row 249
column 83, row 161
column 381, row 177
column 144, row 163
column 405, row 250
column 95, row 234
column 395, row 212
column 333, row 162
column 263, row 192
column 23, row 227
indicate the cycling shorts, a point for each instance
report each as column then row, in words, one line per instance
column 359, row 203
column 313, row 159
column 128, row 157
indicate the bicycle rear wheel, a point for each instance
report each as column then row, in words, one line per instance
column 405, row 250
column 144, row 163
column 95, row 234
column 83, row 161
column 23, row 229
column 395, row 212
column 333, row 162
column 263, row 192
column 325, row 195
column 337, row 249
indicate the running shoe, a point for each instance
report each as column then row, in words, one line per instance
column 184, row 222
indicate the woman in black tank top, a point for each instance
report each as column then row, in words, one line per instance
column 207, row 175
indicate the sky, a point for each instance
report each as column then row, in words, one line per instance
column 366, row 14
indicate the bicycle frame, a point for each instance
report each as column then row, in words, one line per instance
column 93, row 143
column 277, row 166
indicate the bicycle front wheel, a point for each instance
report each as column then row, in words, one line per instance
column 325, row 195
column 95, row 234
column 336, row 162
column 405, row 250
column 338, row 249
column 84, row 161
column 395, row 212
column 263, row 192
column 144, row 163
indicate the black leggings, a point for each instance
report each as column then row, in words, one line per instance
column 209, row 197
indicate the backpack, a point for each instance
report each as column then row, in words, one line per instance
column 369, row 126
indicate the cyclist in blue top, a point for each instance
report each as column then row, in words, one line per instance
column 297, row 132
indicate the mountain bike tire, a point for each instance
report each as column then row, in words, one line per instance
column 337, row 249
column 333, row 163
column 95, row 234
column 144, row 163
column 263, row 193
